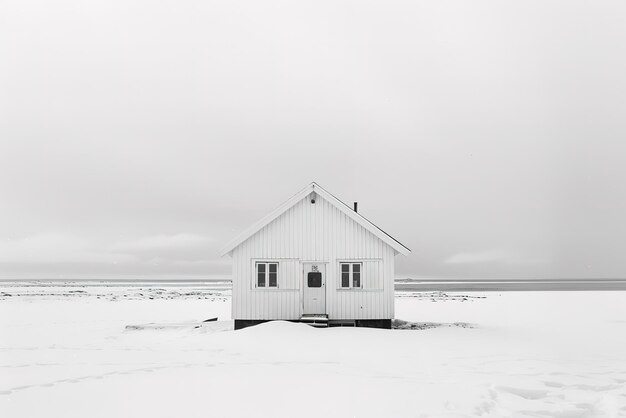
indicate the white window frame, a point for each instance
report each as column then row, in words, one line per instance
column 350, row 274
column 267, row 274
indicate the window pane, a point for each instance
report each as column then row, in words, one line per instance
column 261, row 279
column 272, row 281
column 345, row 279
column 314, row 279
column 345, row 268
column 273, row 268
column 356, row 280
column 356, row 268
column 261, row 267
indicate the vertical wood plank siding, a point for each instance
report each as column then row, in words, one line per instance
column 314, row 232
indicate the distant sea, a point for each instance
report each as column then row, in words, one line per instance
column 119, row 281
column 407, row 285
column 509, row 285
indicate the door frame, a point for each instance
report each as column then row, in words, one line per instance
column 302, row 284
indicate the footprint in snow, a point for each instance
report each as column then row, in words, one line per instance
column 554, row 384
column 530, row 394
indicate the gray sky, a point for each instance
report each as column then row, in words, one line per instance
column 138, row 137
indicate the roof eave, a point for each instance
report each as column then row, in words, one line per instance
column 257, row 226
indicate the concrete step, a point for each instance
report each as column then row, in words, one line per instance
column 318, row 321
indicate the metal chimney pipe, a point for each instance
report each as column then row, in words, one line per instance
column 356, row 204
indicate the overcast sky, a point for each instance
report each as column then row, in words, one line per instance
column 138, row 137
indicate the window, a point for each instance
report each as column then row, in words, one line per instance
column 350, row 275
column 314, row 279
column 266, row 274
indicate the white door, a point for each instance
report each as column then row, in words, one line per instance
column 314, row 289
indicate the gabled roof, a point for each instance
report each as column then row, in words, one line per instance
column 347, row 210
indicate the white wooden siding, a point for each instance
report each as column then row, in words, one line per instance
column 289, row 274
column 314, row 232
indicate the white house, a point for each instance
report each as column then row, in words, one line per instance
column 314, row 259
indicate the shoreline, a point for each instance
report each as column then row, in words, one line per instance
column 401, row 285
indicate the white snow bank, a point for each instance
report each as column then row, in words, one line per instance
column 531, row 354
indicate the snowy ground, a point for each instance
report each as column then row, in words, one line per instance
column 66, row 353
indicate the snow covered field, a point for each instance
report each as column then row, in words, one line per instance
column 65, row 352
